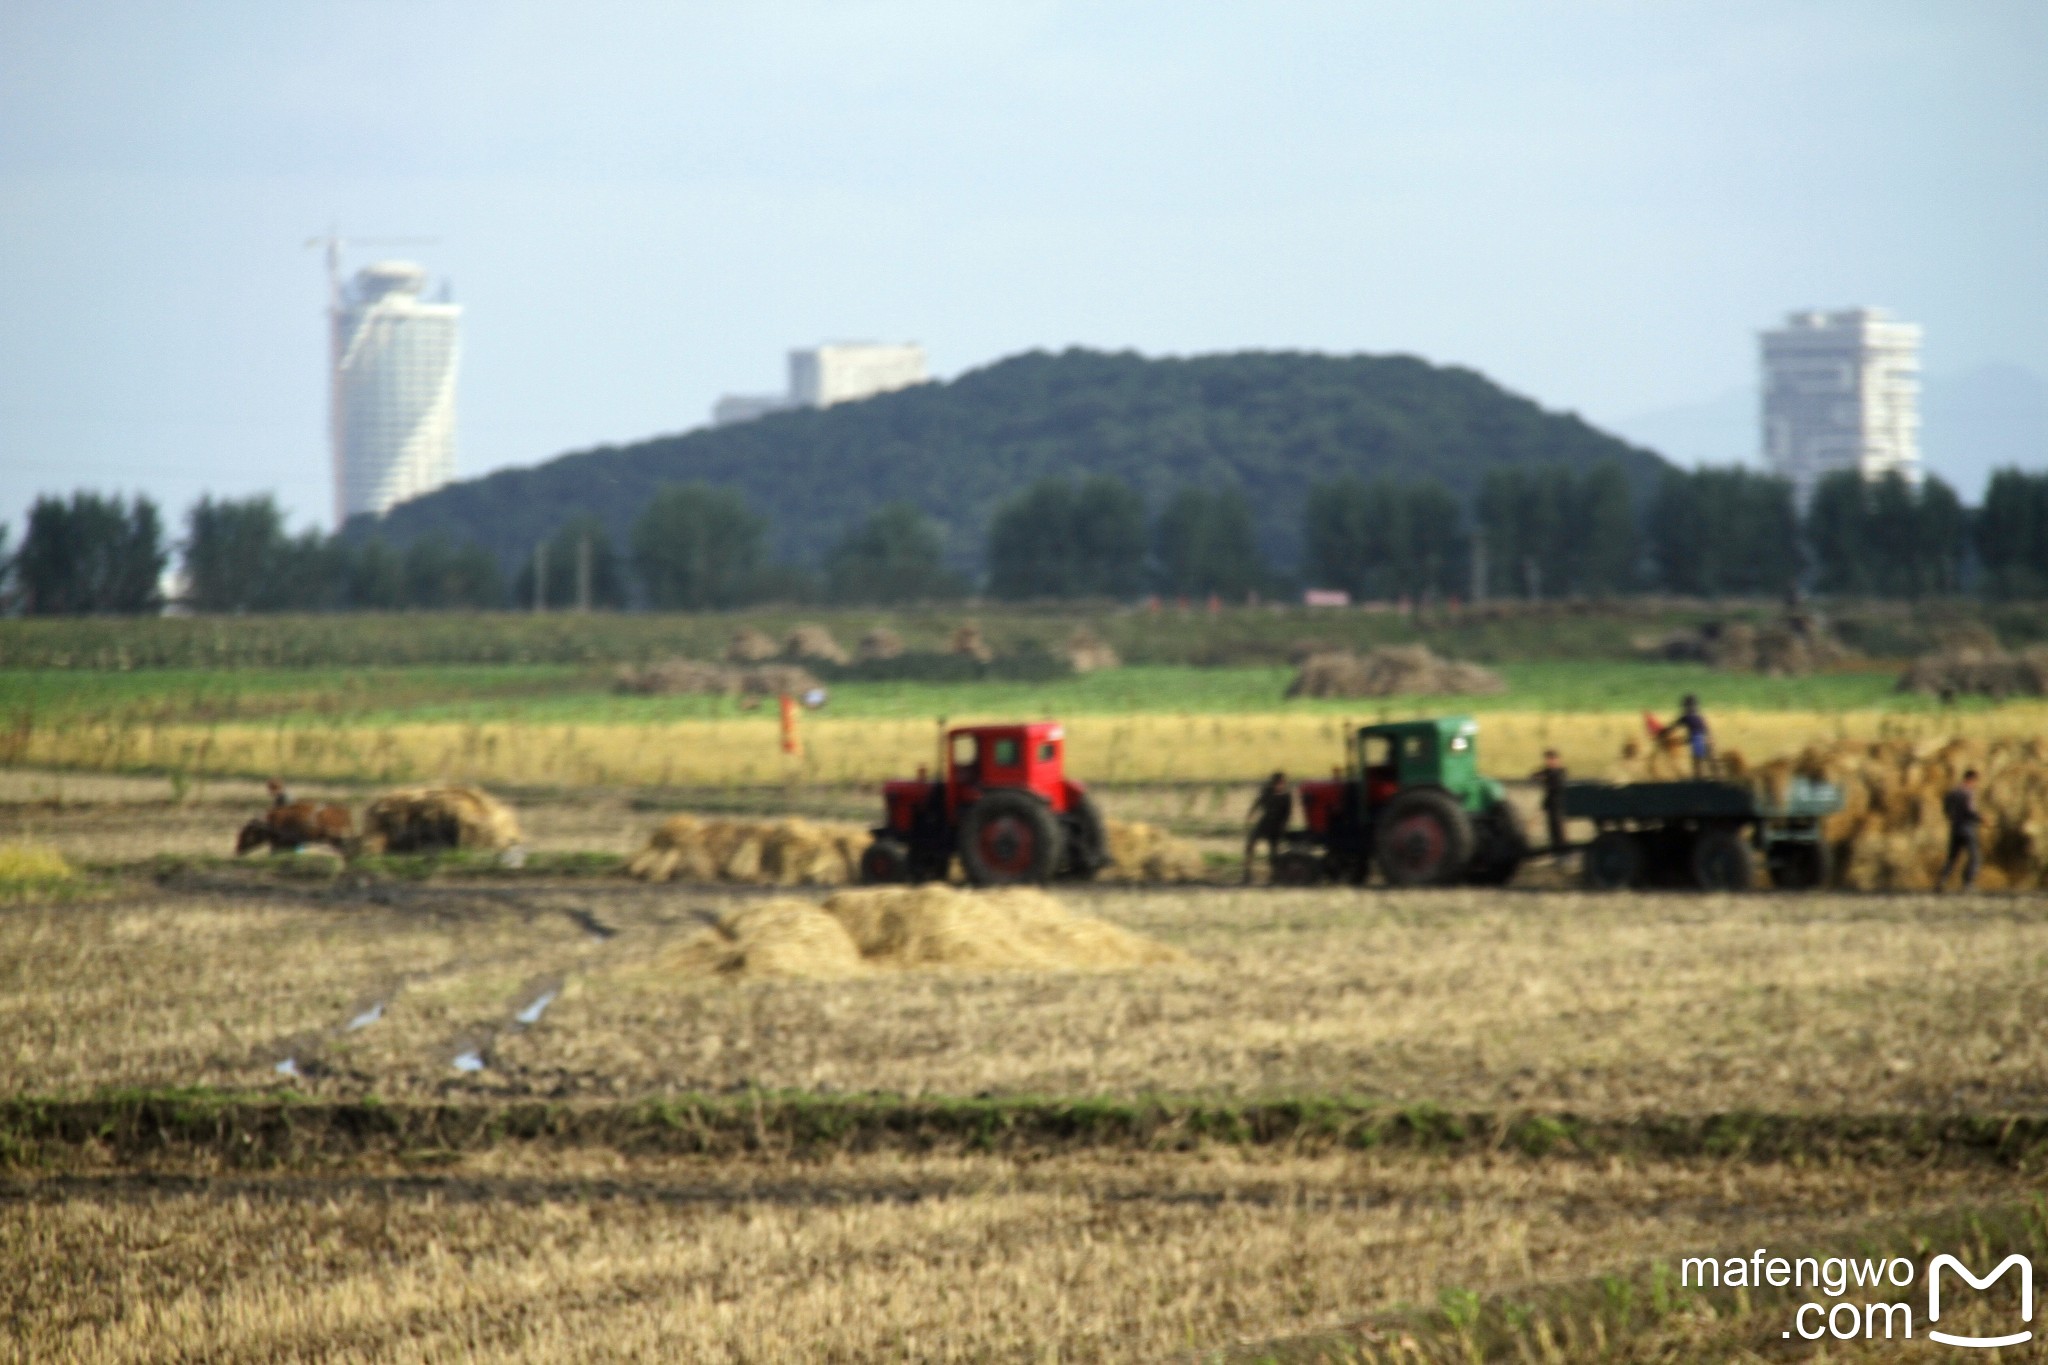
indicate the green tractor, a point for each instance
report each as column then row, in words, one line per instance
column 1413, row 805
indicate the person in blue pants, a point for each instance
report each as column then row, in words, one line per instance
column 1699, row 740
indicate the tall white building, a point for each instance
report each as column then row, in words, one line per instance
column 840, row 372
column 1841, row 391
column 394, row 361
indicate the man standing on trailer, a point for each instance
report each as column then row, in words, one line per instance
column 1698, row 739
column 1551, row 775
column 1272, row 809
column 1965, row 831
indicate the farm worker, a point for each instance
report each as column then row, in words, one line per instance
column 278, row 795
column 1551, row 775
column 1965, row 831
column 1271, row 809
column 1697, row 737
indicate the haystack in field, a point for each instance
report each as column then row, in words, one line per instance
column 1794, row 645
column 1086, row 652
column 967, row 640
column 812, row 644
column 686, row 677
column 1146, row 853
column 757, row 852
column 750, row 646
column 1891, row 833
column 921, row 928
column 1395, row 670
column 426, row 819
column 879, row 644
column 1973, row 671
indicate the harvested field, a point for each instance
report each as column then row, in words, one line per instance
column 598, row 1257
column 1546, row 1001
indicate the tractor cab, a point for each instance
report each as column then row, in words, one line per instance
column 1412, row 802
column 985, row 758
column 1003, row 806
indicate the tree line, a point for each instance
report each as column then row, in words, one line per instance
column 1530, row 532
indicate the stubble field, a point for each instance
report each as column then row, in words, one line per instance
column 1349, row 1125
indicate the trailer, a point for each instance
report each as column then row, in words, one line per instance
column 1716, row 836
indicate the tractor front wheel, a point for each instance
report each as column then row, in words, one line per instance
column 885, row 860
column 1009, row 837
column 1424, row 839
column 1502, row 845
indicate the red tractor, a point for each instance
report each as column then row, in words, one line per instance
column 1004, row 805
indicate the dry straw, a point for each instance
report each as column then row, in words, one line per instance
column 762, row 852
column 422, row 819
column 1395, row 671
column 913, row 928
column 1892, row 832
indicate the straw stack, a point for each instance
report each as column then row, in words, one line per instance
column 750, row 646
column 813, row 644
column 755, row 852
column 1146, row 853
column 920, row 928
column 1892, row 834
column 425, row 819
column 879, row 644
column 1396, row 670
column 1086, row 652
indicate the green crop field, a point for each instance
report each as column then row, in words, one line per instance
column 567, row 694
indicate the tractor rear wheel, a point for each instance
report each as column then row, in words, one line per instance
column 1613, row 861
column 1722, row 861
column 1009, row 837
column 1502, row 845
column 885, row 860
column 1424, row 839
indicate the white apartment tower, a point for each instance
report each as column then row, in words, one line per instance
column 839, row 372
column 393, row 389
column 1841, row 391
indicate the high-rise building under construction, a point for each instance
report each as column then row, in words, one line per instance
column 393, row 395
column 1842, row 391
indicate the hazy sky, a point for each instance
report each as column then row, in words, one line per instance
column 645, row 205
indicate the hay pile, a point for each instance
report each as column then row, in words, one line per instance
column 750, row 646
column 813, row 644
column 966, row 640
column 1147, row 853
column 687, row 677
column 1891, row 834
column 924, row 928
column 756, row 852
column 879, row 644
column 1976, row 671
column 1086, row 652
column 426, row 819
column 1794, row 645
column 1397, row 670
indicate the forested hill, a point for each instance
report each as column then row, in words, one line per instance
column 1274, row 424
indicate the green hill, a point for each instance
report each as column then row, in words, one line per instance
column 1272, row 423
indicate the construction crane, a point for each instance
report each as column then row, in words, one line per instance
column 334, row 242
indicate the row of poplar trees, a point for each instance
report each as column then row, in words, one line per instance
column 1532, row 533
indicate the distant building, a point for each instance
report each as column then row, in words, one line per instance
column 394, row 360
column 820, row 376
column 1841, row 391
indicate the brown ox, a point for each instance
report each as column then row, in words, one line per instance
column 285, row 828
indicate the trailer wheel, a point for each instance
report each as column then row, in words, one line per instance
column 1797, row 867
column 1009, row 837
column 885, row 860
column 1721, row 861
column 1612, row 862
column 1423, row 839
